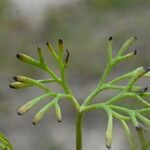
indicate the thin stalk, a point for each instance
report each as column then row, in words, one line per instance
column 79, row 131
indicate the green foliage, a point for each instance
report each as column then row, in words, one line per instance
column 123, row 113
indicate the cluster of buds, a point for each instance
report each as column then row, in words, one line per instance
column 110, row 106
column 129, row 90
column 24, row 82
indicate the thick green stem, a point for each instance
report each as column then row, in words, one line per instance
column 79, row 131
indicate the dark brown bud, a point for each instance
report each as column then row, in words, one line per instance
column 67, row 56
column 139, row 127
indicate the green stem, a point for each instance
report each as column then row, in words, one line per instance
column 79, row 131
column 92, row 95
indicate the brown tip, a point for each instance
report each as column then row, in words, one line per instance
column 110, row 38
column 59, row 121
column 145, row 89
column 109, row 147
column 34, row 123
column 67, row 56
column 60, row 41
column 15, row 78
column 47, row 43
column 135, row 38
column 11, row 86
column 18, row 113
column 135, row 52
column 18, row 56
column 139, row 127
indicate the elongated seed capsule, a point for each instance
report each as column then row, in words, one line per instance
column 127, row 56
column 27, row 59
column 126, row 45
column 18, row 85
column 51, row 50
column 26, row 107
column 141, row 71
column 136, row 75
column 109, row 51
column 60, row 47
column 38, row 117
column 39, row 51
column 109, row 130
column 58, row 112
column 134, row 121
column 30, row 81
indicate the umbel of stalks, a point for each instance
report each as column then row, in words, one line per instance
column 24, row 81
column 113, row 107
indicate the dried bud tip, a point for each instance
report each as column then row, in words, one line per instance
column 34, row 123
column 15, row 78
column 18, row 56
column 145, row 89
column 139, row 127
column 59, row 121
column 135, row 52
column 18, row 113
column 110, row 38
column 60, row 41
column 47, row 43
column 108, row 146
column 11, row 86
column 67, row 56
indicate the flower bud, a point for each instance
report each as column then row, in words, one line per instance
column 27, row 59
column 39, row 51
column 58, row 112
column 30, row 81
column 18, row 85
column 60, row 47
column 60, row 44
column 109, row 131
column 51, row 50
column 22, row 79
column 141, row 71
column 26, row 107
column 126, row 45
column 38, row 117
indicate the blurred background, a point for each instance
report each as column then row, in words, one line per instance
column 85, row 26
